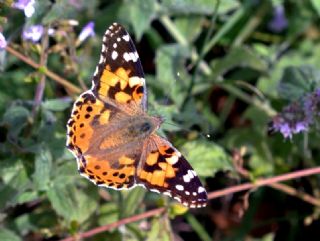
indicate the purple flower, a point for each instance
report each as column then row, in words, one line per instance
column 291, row 120
column 86, row 32
column 279, row 21
column 33, row 33
column 3, row 42
column 26, row 5
column 312, row 105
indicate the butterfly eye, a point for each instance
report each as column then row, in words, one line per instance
column 145, row 127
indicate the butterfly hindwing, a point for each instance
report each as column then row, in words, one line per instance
column 86, row 139
column 166, row 171
column 119, row 75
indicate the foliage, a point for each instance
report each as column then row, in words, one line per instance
column 219, row 71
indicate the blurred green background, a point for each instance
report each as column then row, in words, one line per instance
column 237, row 82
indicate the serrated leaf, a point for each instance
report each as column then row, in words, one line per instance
column 16, row 117
column 43, row 166
column 316, row 5
column 57, row 104
column 200, row 7
column 158, row 231
column 206, row 158
column 61, row 9
column 194, row 7
column 27, row 197
column 171, row 74
column 132, row 200
column 189, row 26
column 297, row 81
column 8, row 235
column 109, row 213
column 71, row 203
column 15, row 179
column 238, row 57
column 139, row 14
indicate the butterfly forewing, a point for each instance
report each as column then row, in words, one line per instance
column 119, row 75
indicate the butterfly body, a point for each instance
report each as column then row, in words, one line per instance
column 114, row 139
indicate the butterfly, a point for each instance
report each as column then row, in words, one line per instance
column 114, row 139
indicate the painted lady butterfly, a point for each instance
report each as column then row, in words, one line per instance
column 114, row 139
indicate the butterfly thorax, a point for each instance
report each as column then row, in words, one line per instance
column 123, row 134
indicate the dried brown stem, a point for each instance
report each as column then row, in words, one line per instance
column 264, row 182
column 294, row 192
column 42, row 83
column 107, row 227
column 212, row 195
column 71, row 87
column 238, row 164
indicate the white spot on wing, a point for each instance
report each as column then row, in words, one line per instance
column 126, row 37
column 155, row 190
column 118, row 39
column 135, row 81
column 96, row 71
column 115, row 45
column 103, row 48
column 186, row 178
column 201, row 189
column 172, row 160
column 101, row 59
column 114, row 55
column 167, row 193
column 179, row 187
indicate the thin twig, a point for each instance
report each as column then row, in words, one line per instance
column 212, row 195
column 107, row 227
column 42, row 83
column 294, row 192
column 264, row 182
column 71, row 87
column 238, row 164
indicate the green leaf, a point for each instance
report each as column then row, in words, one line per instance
column 189, row 26
column 171, row 73
column 139, row 14
column 61, row 9
column 206, row 158
column 56, row 104
column 158, row 231
column 16, row 118
column 297, row 81
column 8, row 235
column 109, row 213
column 72, row 203
column 238, row 57
column 197, row 227
column 43, row 166
column 132, row 201
column 14, row 176
column 316, row 5
column 203, row 7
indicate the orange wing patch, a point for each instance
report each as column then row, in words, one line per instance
column 79, row 126
column 165, row 170
column 102, row 173
column 119, row 86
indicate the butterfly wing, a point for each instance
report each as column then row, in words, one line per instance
column 119, row 75
column 88, row 127
column 165, row 170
